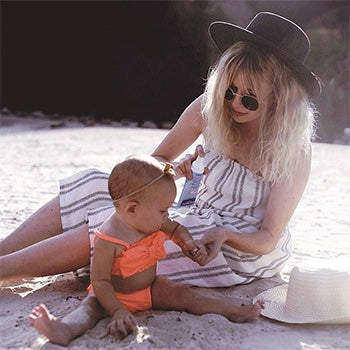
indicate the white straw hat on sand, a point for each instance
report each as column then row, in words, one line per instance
column 318, row 292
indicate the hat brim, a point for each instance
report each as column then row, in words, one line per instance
column 225, row 34
column 274, row 308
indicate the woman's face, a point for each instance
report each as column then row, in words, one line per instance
column 246, row 106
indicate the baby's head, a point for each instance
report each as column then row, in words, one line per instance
column 142, row 185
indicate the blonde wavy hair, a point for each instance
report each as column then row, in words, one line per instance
column 286, row 125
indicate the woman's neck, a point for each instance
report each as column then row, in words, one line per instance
column 243, row 150
column 249, row 131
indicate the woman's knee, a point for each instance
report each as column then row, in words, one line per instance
column 80, row 242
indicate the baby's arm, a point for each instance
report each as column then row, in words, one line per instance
column 123, row 322
column 180, row 235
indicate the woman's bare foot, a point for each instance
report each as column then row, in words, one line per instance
column 48, row 325
column 246, row 313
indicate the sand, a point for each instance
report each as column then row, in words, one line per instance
column 36, row 152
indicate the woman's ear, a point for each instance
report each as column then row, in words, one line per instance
column 131, row 207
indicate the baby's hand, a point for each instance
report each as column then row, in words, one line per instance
column 195, row 250
column 200, row 255
column 123, row 322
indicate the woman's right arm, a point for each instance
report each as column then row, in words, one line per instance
column 184, row 133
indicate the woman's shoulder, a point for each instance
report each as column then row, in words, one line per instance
column 194, row 112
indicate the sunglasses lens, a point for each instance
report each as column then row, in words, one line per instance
column 228, row 95
column 250, row 103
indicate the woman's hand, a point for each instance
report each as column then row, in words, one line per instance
column 123, row 322
column 213, row 240
column 183, row 167
column 195, row 250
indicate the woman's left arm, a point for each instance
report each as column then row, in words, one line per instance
column 281, row 205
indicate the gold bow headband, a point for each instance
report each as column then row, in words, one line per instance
column 168, row 170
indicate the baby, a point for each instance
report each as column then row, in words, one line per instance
column 127, row 247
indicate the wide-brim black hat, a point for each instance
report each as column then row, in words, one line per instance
column 287, row 40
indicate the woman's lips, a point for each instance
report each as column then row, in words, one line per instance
column 238, row 114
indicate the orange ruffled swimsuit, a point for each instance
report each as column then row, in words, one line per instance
column 135, row 258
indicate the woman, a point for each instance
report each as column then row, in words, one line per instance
column 257, row 121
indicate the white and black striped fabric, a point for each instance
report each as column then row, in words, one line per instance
column 230, row 195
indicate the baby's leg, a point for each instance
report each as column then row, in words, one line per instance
column 168, row 295
column 72, row 325
column 44, row 223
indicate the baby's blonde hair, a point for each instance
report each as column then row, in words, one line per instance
column 134, row 173
column 287, row 120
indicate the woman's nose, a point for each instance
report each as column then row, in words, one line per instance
column 236, row 101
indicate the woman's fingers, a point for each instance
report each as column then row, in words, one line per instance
column 187, row 166
column 190, row 158
column 202, row 256
column 212, row 245
column 183, row 168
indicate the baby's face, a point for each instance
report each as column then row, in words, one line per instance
column 153, row 210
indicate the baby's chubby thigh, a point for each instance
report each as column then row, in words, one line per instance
column 169, row 295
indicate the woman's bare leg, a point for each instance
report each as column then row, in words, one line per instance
column 44, row 223
column 58, row 254
column 84, row 317
column 168, row 295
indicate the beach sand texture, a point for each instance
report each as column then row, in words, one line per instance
column 34, row 156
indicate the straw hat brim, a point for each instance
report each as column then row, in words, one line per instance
column 225, row 34
column 275, row 301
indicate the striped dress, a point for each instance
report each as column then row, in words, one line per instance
column 230, row 195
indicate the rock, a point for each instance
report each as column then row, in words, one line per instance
column 148, row 124
column 128, row 123
column 58, row 125
column 71, row 118
column 125, row 122
column 56, row 116
column 106, row 121
column 21, row 114
column 166, row 125
column 89, row 122
column 5, row 111
column 39, row 115
column 133, row 125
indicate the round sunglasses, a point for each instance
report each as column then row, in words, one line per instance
column 249, row 102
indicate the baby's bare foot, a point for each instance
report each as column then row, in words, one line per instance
column 48, row 325
column 246, row 313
